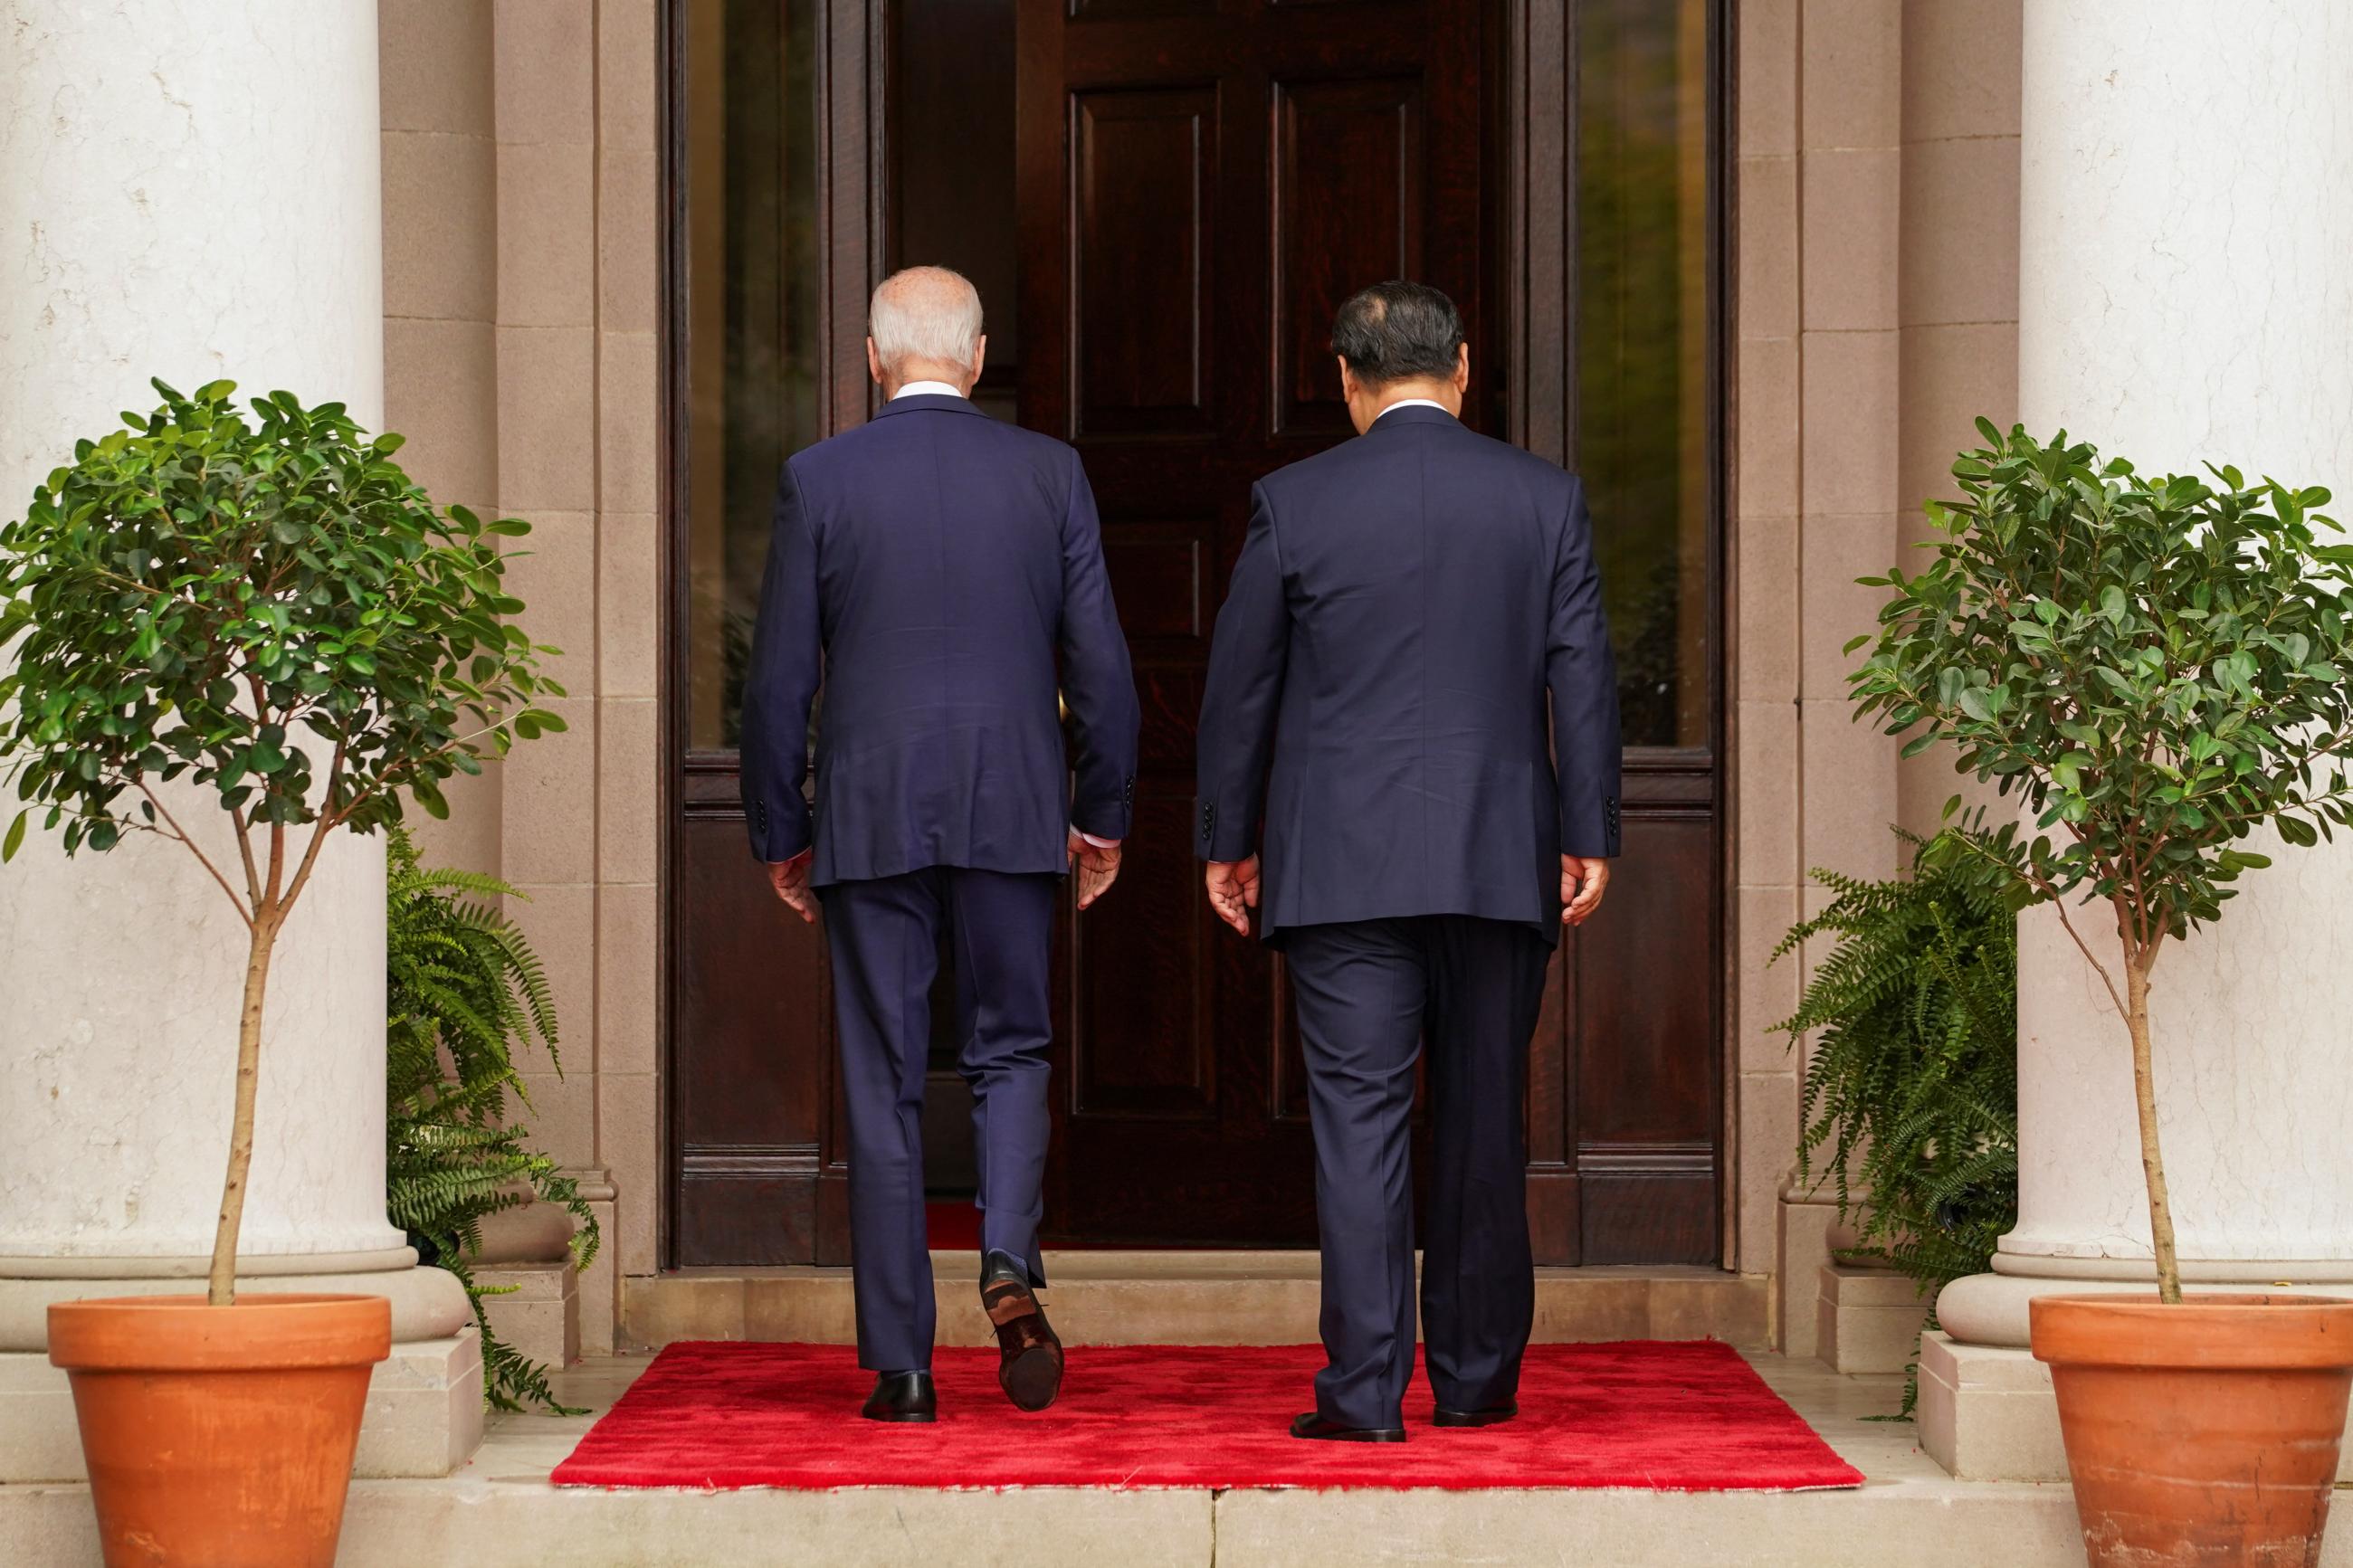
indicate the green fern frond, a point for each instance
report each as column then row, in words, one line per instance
column 1911, row 1092
column 464, row 987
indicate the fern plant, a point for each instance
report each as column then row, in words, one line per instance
column 1912, row 1094
column 465, row 986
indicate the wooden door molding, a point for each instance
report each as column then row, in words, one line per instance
column 1629, row 1110
column 753, row 1145
column 1272, row 104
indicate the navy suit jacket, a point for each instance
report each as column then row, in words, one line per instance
column 1409, row 609
column 930, row 566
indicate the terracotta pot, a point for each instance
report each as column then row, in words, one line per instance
column 2202, row 1434
column 220, row 1435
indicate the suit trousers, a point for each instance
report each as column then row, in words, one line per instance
column 1371, row 995
column 884, row 934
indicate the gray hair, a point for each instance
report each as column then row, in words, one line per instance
column 925, row 313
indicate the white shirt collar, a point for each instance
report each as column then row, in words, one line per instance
column 925, row 389
column 1410, row 403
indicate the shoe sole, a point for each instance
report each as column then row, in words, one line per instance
column 909, row 1416
column 1355, row 1437
column 1472, row 1417
column 1032, row 1379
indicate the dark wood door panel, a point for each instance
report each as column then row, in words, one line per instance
column 1157, row 579
column 1644, row 986
column 749, row 1120
column 1333, row 146
column 1143, row 1036
column 1643, row 1143
column 1348, row 210
column 1142, row 277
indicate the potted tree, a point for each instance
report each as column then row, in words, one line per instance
column 2159, row 668
column 242, row 635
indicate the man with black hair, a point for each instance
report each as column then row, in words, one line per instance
column 1411, row 689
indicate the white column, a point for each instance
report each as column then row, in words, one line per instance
column 188, row 190
column 2186, row 297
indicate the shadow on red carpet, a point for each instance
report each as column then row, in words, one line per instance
column 1681, row 1416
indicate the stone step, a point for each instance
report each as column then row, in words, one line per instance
column 500, row 1508
column 1868, row 1320
column 401, row 1524
column 1175, row 1297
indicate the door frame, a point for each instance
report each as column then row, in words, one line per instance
column 1536, row 135
column 1531, row 272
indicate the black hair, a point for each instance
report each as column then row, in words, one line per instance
column 1398, row 331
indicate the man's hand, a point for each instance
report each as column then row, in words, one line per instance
column 1583, row 879
column 1095, row 865
column 790, row 878
column 1233, row 890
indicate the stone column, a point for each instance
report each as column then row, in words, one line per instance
column 192, row 191
column 2186, row 296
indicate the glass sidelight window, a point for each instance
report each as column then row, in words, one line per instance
column 1642, row 293
column 752, row 318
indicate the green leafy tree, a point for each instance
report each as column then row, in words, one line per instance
column 2158, row 667
column 463, row 990
column 261, row 617
column 1912, row 1089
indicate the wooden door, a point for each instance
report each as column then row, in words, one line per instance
column 1200, row 185
column 1199, row 182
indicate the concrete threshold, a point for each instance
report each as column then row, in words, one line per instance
column 1196, row 1298
column 500, row 1508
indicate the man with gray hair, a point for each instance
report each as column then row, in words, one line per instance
column 932, row 565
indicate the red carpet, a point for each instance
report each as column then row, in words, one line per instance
column 1683, row 1416
column 953, row 1223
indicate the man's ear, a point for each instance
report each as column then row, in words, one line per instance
column 1462, row 368
column 873, row 362
column 1347, row 379
column 979, row 357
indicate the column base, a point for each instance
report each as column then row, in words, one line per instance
column 599, row 1285
column 424, row 1405
column 424, row 1414
column 537, row 1312
column 1807, row 1216
column 525, row 1255
column 1867, row 1320
column 1992, row 1309
column 1987, row 1413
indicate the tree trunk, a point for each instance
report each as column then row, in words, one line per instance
column 221, row 1290
column 2152, row 1162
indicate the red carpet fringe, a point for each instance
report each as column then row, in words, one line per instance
column 1682, row 1416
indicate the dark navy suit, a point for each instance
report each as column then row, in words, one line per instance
column 931, row 565
column 1413, row 633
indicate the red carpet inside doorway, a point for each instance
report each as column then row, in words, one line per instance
column 1682, row 1415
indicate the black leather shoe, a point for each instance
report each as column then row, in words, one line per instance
column 1313, row 1425
column 1030, row 1356
column 901, row 1396
column 1493, row 1415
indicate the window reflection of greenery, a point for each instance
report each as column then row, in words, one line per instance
column 754, row 262
column 1642, row 385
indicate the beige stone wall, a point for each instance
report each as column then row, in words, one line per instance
column 519, row 147
column 1876, row 159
